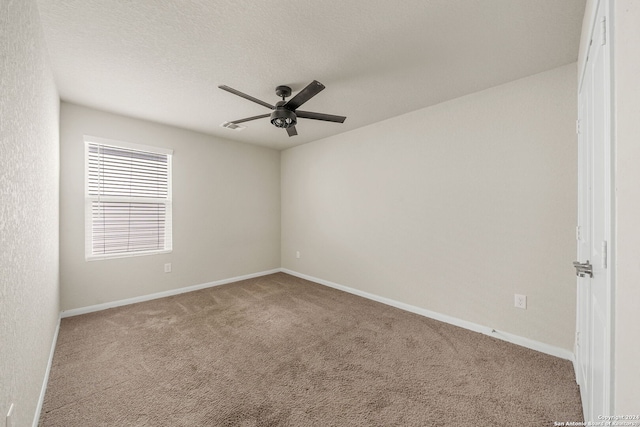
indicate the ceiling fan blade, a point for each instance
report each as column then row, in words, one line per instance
column 304, row 95
column 261, row 116
column 292, row 131
column 320, row 116
column 245, row 96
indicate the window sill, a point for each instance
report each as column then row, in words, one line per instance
column 125, row 255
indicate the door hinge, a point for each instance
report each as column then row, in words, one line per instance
column 578, row 126
column 578, row 233
column 578, row 339
column 604, row 254
column 603, row 36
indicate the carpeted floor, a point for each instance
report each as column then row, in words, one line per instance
column 282, row 351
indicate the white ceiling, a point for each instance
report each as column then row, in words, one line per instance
column 164, row 60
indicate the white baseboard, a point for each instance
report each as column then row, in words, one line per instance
column 43, row 390
column 505, row 336
column 171, row 292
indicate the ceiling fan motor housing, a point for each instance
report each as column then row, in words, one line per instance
column 283, row 117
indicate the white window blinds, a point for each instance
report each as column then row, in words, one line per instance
column 128, row 199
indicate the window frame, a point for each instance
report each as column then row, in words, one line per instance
column 89, row 199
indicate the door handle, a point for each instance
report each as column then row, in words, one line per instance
column 583, row 269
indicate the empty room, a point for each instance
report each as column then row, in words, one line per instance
column 319, row 213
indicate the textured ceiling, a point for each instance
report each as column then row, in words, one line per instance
column 164, row 60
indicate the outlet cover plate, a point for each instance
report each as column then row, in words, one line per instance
column 520, row 301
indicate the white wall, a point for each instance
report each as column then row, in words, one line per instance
column 626, row 50
column 29, row 291
column 226, row 211
column 452, row 208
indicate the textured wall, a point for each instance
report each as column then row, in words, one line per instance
column 226, row 211
column 28, row 209
column 453, row 208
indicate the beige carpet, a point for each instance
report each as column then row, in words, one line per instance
column 282, row 351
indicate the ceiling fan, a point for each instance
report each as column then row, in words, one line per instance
column 285, row 113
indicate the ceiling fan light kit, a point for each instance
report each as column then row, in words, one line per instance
column 284, row 112
column 282, row 117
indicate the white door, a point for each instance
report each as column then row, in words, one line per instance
column 593, row 342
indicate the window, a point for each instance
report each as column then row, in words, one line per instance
column 127, row 199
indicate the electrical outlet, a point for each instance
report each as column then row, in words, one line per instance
column 167, row 267
column 521, row 301
column 9, row 422
column 298, row 254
